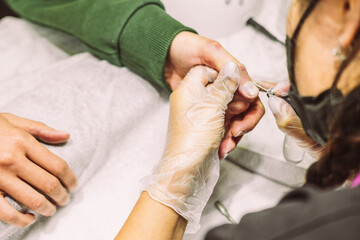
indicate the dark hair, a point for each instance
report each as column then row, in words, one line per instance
column 341, row 156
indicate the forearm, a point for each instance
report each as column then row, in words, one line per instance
column 136, row 34
column 152, row 220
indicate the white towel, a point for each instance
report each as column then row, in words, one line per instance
column 94, row 107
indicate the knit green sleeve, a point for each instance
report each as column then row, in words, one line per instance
column 132, row 33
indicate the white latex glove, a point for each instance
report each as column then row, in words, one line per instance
column 289, row 122
column 186, row 176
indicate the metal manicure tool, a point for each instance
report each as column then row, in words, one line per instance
column 223, row 210
column 269, row 91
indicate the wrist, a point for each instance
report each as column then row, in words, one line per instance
column 144, row 43
column 152, row 220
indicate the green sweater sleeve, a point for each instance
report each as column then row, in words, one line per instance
column 132, row 33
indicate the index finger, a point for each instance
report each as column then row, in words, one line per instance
column 41, row 156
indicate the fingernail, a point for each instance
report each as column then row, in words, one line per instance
column 53, row 211
column 75, row 187
column 33, row 221
column 62, row 132
column 250, row 89
column 67, row 201
column 282, row 88
column 226, row 155
column 240, row 133
column 228, row 150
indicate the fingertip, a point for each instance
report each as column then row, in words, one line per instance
column 63, row 132
column 53, row 136
column 238, row 132
column 200, row 74
column 212, row 74
column 52, row 211
column 32, row 219
column 276, row 105
column 282, row 88
column 65, row 201
column 75, row 186
column 226, row 146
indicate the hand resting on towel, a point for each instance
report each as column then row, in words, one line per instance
column 29, row 172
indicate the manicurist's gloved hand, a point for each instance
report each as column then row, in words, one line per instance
column 185, row 177
column 289, row 122
column 27, row 167
column 188, row 50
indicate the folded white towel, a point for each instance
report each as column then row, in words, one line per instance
column 93, row 100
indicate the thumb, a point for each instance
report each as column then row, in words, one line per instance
column 37, row 129
column 289, row 122
column 285, row 116
column 287, row 119
column 282, row 88
column 223, row 89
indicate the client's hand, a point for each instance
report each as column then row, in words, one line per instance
column 27, row 167
column 288, row 121
column 188, row 50
column 189, row 169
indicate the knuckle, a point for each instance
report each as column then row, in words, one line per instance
column 9, row 217
column 18, row 138
column 37, row 202
column 214, row 45
column 60, row 168
column 52, row 185
column 7, row 159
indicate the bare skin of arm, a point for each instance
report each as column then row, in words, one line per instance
column 152, row 220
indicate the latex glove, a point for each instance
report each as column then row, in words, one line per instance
column 188, row 50
column 189, row 169
column 26, row 166
column 289, row 122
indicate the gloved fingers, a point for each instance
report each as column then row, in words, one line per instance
column 221, row 92
column 215, row 56
column 201, row 74
column 285, row 116
column 193, row 85
column 289, row 123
